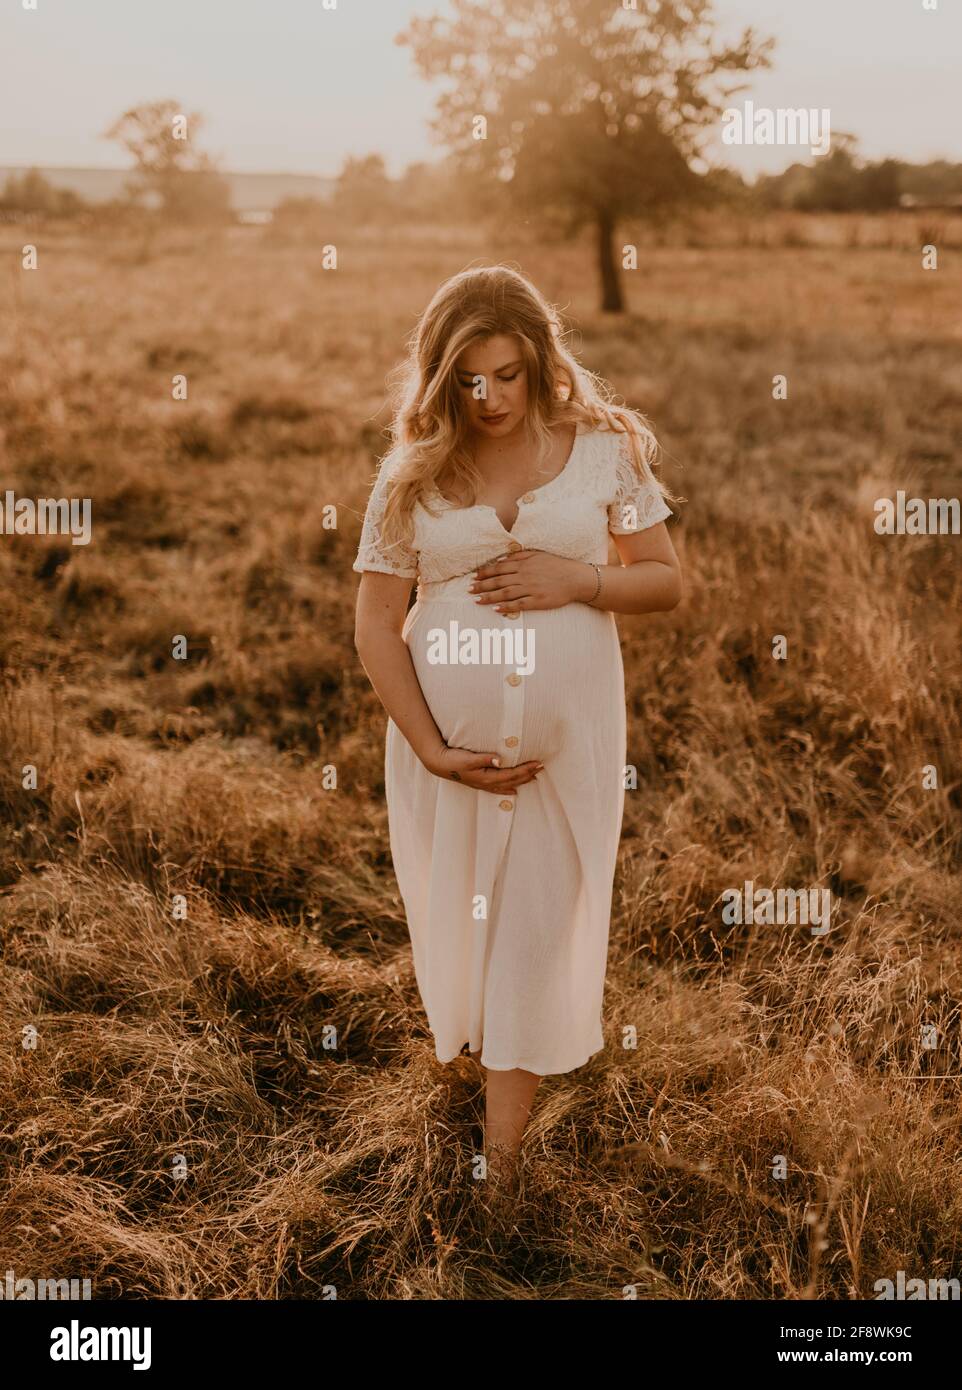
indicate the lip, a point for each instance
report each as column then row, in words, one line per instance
column 494, row 419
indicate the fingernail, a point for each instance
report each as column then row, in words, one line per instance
column 496, row 761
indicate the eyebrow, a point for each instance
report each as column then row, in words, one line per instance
column 463, row 371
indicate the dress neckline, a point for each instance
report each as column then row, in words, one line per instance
column 528, row 492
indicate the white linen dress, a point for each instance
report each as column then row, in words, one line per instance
column 508, row 899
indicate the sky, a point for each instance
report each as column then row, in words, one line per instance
column 294, row 86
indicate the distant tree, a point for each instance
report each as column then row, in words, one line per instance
column 833, row 185
column 594, row 111
column 935, row 182
column 782, row 190
column 440, row 191
column 32, row 192
column 295, row 212
column 363, row 192
column 726, row 185
column 879, row 185
column 836, row 182
column 168, row 167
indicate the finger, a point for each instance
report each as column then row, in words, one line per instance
column 495, row 775
column 492, row 581
column 497, row 595
column 529, row 770
column 510, row 776
column 485, row 761
column 509, row 788
column 501, row 781
column 518, row 782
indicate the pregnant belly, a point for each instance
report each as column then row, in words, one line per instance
column 568, row 660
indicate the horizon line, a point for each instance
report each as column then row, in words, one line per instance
column 131, row 168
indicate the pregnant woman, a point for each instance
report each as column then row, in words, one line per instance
column 504, row 684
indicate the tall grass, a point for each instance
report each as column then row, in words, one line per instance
column 206, row 935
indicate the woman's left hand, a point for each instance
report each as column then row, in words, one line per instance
column 533, row 579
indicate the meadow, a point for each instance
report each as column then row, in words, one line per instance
column 189, row 907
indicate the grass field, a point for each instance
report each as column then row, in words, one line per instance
column 182, row 1127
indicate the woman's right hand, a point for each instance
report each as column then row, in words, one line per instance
column 480, row 770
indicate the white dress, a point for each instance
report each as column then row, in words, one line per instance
column 508, row 900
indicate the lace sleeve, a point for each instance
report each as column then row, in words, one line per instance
column 373, row 553
column 636, row 504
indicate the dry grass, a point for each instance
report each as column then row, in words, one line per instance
column 207, row 1036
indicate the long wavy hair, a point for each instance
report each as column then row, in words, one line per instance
column 429, row 428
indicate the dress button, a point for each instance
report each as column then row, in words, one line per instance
column 506, row 805
column 528, row 497
column 513, row 679
column 511, row 741
column 515, row 545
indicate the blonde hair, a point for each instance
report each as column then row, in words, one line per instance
column 429, row 425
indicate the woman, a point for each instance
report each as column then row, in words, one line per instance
column 504, row 685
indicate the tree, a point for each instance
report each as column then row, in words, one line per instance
column 364, row 192
column 168, row 169
column 834, row 178
column 837, row 182
column 32, row 192
column 594, row 112
column 434, row 192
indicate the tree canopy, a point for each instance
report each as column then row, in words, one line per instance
column 582, row 108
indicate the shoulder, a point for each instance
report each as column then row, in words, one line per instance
column 606, row 443
column 391, row 461
column 385, row 471
column 606, row 455
column 597, row 441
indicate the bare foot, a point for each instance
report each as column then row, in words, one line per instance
column 503, row 1168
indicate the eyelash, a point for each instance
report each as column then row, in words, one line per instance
column 466, row 385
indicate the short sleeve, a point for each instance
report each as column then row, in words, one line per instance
column 373, row 553
column 637, row 503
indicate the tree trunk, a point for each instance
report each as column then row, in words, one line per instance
column 611, row 297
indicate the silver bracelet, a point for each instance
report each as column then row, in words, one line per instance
column 598, row 590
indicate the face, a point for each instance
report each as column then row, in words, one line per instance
column 499, row 362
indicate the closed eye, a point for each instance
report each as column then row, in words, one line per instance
column 468, row 384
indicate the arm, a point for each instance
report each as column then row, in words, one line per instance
column 381, row 608
column 382, row 601
column 648, row 580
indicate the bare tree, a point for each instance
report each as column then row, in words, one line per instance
column 168, row 167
